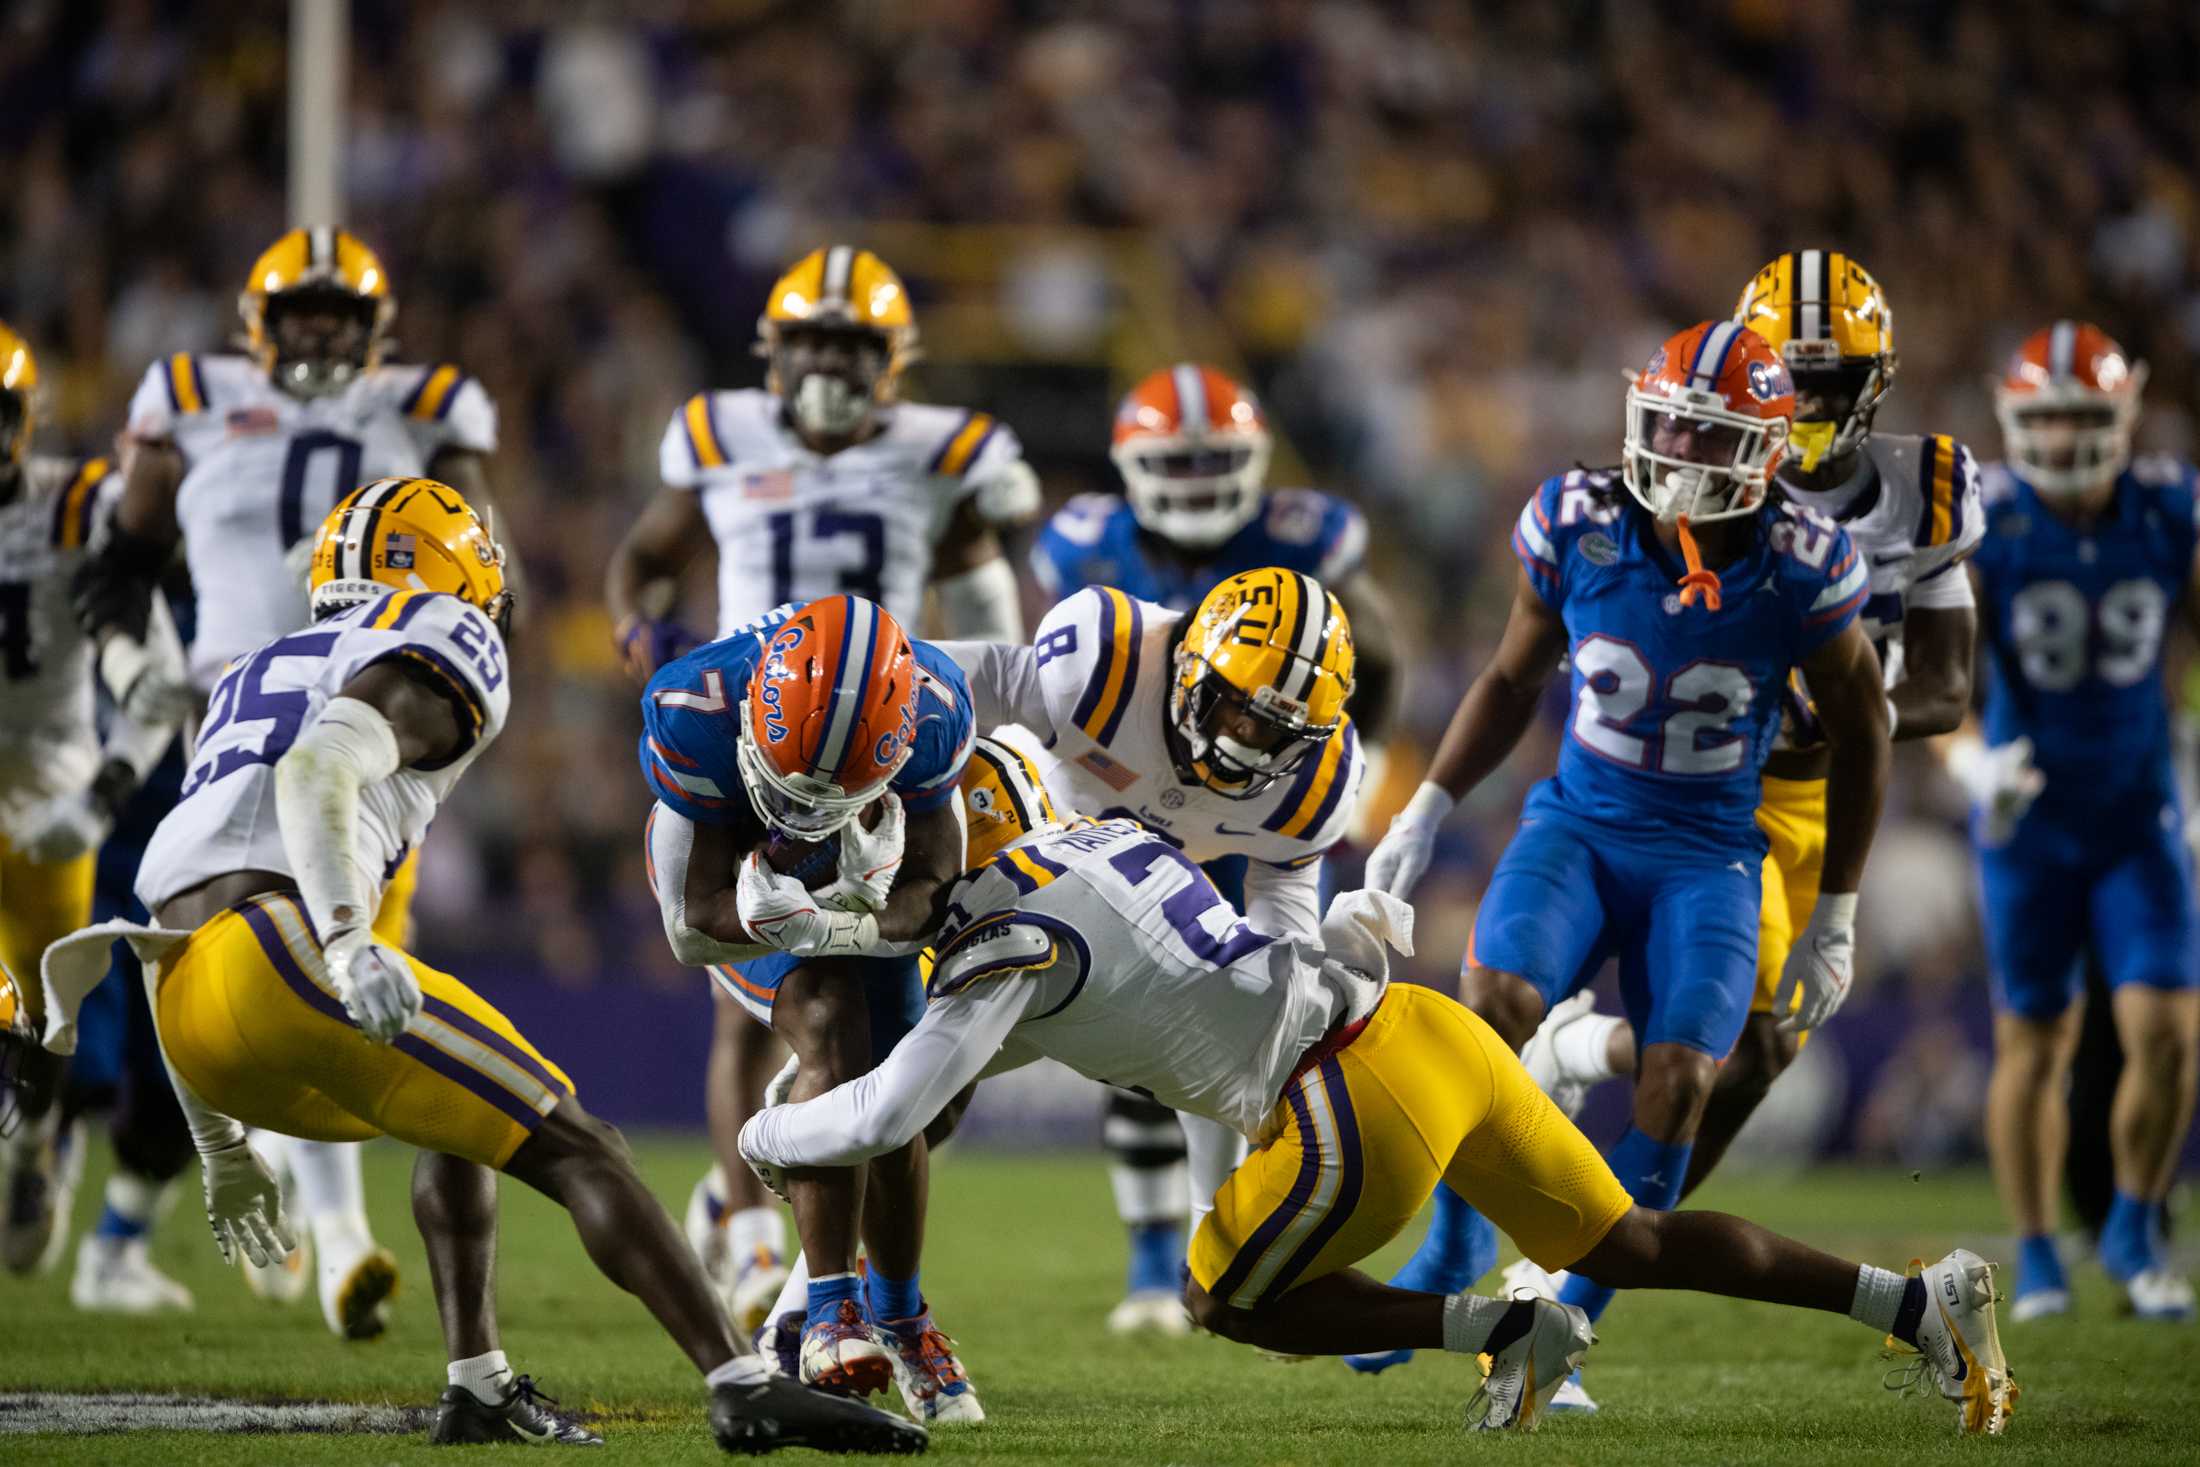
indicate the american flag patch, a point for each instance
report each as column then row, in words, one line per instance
column 1113, row 774
column 249, row 422
column 397, row 551
column 768, row 484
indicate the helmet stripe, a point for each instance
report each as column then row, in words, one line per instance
column 1306, row 639
column 1785, row 277
column 365, row 510
column 846, row 699
column 840, row 265
column 1715, row 345
column 988, row 753
column 2062, row 351
column 1192, row 410
column 1812, row 295
column 320, row 250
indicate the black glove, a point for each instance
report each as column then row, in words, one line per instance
column 114, row 589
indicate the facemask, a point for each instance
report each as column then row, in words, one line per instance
column 827, row 407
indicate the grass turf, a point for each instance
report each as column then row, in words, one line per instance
column 1026, row 1259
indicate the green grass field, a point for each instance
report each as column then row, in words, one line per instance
column 1024, row 1263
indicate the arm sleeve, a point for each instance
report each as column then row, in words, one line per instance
column 877, row 1112
column 317, row 784
column 668, row 839
column 1004, row 684
column 1284, row 901
column 141, row 745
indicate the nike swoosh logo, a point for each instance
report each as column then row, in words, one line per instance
column 529, row 1436
column 1895, row 559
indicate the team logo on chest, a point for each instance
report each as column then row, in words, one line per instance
column 1172, row 798
column 1598, row 549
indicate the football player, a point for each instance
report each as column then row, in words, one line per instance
column 820, row 746
column 1911, row 507
column 822, row 482
column 240, row 456
column 1644, row 844
column 2076, row 812
column 324, row 757
column 60, row 789
column 1102, row 946
column 1192, row 446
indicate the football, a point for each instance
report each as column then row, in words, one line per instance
column 814, row 863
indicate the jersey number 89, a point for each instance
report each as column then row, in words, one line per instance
column 2055, row 631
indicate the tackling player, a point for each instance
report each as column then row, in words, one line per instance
column 325, row 755
column 1101, row 946
column 2076, row 817
column 822, row 740
column 1193, row 447
column 1643, row 845
column 822, row 482
column 240, row 456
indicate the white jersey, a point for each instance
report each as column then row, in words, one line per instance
column 226, row 820
column 263, row 468
column 793, row 525
column 48, row 744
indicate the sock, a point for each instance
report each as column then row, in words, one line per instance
column 1584, row 1049
column 1475, row 1323
column 1880, row 1293
column 1157, row 1248
column 130, row 1201
column 2127, row 1238
column 488, row 1377
column 753, row 1230
column 1912, row 1313
column 894, row 1299
column 794, row 1295
column 327, row 1174
column 1461, row 1246
column 742, row 1370
column 714, row 1195
column 826, row 1294
column 2039, row 1266
column 1652, row 1173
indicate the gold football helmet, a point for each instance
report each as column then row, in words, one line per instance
column 317, row 309
column 1003, row 801
column 838, row 333
column 17, row 1042
column 406, row 535
column 18, row 397
column 1831, row 324
column 1262, row 672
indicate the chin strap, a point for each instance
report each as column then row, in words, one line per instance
column 1698, row 579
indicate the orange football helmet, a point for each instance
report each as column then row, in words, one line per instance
column 1707, row 423
column 829, row 718
column 2069, row 405
column 1192, row 447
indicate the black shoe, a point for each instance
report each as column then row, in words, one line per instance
column 777, row 1412
column 461, row 1419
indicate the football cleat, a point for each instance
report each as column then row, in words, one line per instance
column 1150, row 1311
column 763, row 1416
column 706, row 1233
column 1958, row 1346
column 1539, row 1055
column 34, row 1203
column 286, row 1280
column 752, row 1287
column 1527, row 1373
column 464, row 1419
column 933, row 1384
column 1527, row 1279
column 356, row 1287
column 117, row 1276
column 2038, row 1304
column 780, row 1343
column 2158, row 1293
column 845, row 1354
column 1378, row 1361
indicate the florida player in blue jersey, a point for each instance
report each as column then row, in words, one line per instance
column 2077, row 816
column 822, row 741
column 1193, row 447
column 1644, row 845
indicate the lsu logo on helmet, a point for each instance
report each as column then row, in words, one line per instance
column 18, row 395
column 1003, row 801
column 325, row 270
column 406, row 535
column 18, row 1041
column 1262, row 675
column 1830, row 324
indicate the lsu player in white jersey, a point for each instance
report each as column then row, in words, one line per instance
column 1100, row 945
column 241, row 455
column 823, row 481
column 61, row 786
column 325, row 755
column 1224, row 731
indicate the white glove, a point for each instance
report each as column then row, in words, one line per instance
column 773, row 1176
column 244, row 1207
column 1822, row 964
column 779, row 910
column 2001, row 781
column 151, row 690
column 870, row 860
column 782, row 1084
column 60, row 829
column 375, row 982
column 1405, row 849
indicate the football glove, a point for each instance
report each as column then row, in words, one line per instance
column 375, row 982
column 244, row 1206
column 1406, row 848
column 2001, row 781
column 869, row 859
column 645, row 644
column 1820, row 966
column 778, row 909
column 61, row 829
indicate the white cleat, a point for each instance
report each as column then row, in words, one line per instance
column 286, row 1280
column 752, row 1288
column 845, row 1355
column 1526, row 1279
column 1150, row 1312
column 2039, row 1304
column 1959, row 1346
column 2158, row 1293
column 1527, row 1373
column 934, row 1385
column 1568, row 1090
column 115, row 1276
column 357, row 1281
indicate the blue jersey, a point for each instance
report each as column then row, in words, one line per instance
column 1094, row 540
column 1675, row 708
column 691, row 722
column 2074, row 620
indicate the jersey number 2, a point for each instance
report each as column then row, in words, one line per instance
column 1697, row 737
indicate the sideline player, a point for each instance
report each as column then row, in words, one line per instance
column 1101, row 946
column 2077, row 818
column 822, row 736
column 1192, row 446
column 61, row 787
column 240, row 456
column 823, row 481
column 1644, row 844
column 325, row 755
